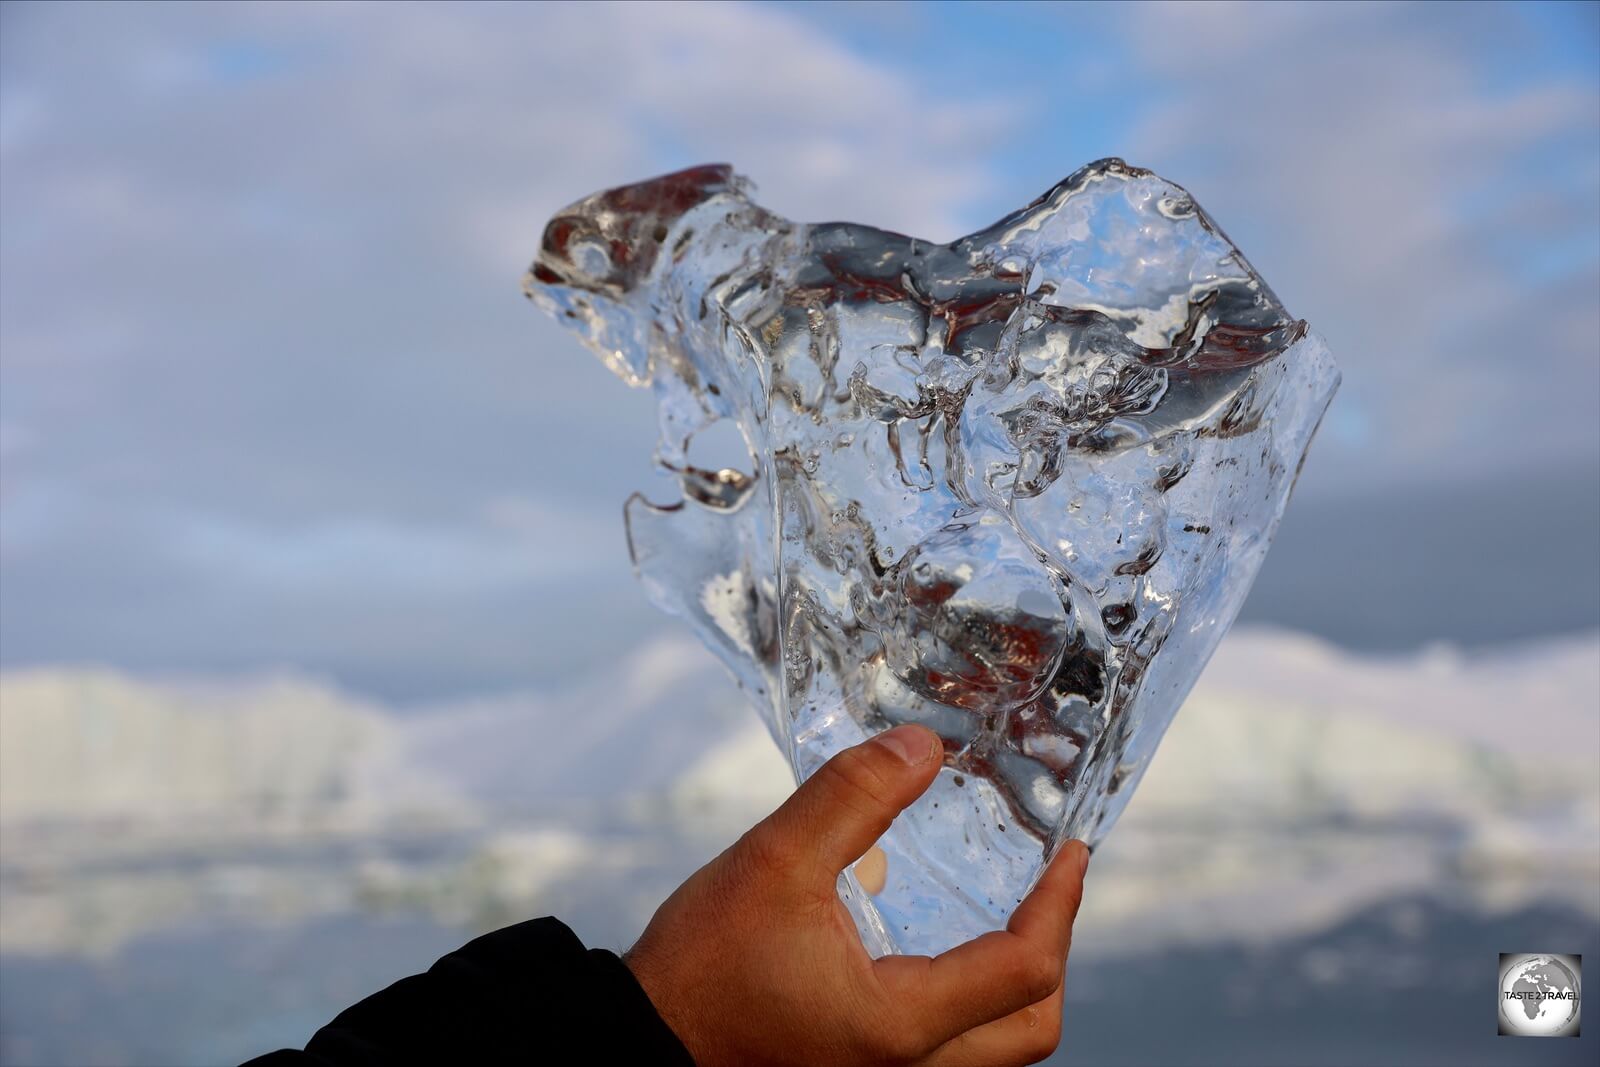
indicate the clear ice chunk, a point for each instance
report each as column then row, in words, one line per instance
column 1013, row 488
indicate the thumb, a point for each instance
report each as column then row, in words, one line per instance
column 842, row 809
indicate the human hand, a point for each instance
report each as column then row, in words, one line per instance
column 755, row 960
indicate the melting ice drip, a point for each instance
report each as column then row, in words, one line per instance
column 1013, row 488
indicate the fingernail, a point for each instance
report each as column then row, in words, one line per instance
column 912, row 744
column 1083, row 858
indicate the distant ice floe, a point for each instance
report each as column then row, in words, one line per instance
column 1298, row 784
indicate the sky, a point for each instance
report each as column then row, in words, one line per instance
column 270, row 397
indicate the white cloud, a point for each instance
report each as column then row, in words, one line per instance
column 261, row 313
column 1385, row 184
column 340, row 555
column 261, row 270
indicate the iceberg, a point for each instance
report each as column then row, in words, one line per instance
column 1014, row 488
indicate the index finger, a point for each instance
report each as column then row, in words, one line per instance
column 1000, row 972
column 1046, row 915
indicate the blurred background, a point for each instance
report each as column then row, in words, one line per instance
column 319, row 648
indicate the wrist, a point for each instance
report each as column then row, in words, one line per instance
column 660, row 991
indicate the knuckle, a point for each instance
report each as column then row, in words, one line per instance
column 767, row 852
column 900, row 1041
column 1034, row 1044
column 1039, row 974
column 1035, row 1049
column 855, row 781
column 1049, row 1032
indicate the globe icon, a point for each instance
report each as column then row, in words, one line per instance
column 1539, row 997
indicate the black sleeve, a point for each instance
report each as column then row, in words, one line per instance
column 530, row 993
